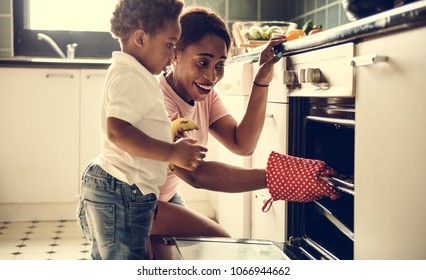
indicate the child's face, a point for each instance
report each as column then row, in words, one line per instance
column 158, row 48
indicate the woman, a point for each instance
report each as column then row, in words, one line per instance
column 188, row 89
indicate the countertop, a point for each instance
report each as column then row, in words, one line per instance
column 395, row 20
column 49, row 62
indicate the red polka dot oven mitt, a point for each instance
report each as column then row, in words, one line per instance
column 297, row 179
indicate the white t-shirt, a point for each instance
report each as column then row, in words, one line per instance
column 132, row 94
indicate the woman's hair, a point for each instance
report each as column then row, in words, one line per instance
column 197, row 22
column 148, row 15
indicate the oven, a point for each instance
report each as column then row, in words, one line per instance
column 324, row 129
column 321, row 125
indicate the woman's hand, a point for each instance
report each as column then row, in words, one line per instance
column 267, row 61
column 298, row 179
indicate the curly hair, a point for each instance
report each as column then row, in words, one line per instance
column 197, row 22
column 149, row 15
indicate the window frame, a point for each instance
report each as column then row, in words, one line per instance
column 90, row 44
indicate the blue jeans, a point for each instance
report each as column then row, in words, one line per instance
column 114, row 216
column 177, row 199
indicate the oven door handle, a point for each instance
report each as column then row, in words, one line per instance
column 340, row 184
column 332, row 120
column 368, row 59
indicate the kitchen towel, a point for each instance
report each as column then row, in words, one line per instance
column 297, row 179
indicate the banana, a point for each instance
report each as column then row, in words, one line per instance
column 186, row 125
column 183, row 123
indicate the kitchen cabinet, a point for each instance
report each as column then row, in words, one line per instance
column 92, row 82
column 269, row 225
column 232, row 210
column 238, row 78
column 390, row 149
column 39, row 109
column 51, row 124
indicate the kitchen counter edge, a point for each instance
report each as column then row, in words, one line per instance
column 55, row 63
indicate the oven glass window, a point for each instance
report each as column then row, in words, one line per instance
column 330, row 223
column 332, row 143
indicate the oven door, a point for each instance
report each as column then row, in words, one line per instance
column 216, row 248
column 324, row 129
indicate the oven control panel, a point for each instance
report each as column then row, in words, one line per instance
column 325, row 72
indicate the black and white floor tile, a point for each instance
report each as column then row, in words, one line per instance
column 42, row 240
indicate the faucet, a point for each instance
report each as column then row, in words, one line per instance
column 71, row 50
column 55, row 47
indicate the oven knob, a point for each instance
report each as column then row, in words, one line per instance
column 313, row 75
column 302, row 76
column 289, row 77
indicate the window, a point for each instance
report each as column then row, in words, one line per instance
column 77, row 15
column 83, row 22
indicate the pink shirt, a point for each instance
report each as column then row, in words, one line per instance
column 204, row 113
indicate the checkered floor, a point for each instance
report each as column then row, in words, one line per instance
column 42, row 240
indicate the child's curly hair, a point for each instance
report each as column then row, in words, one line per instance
column 149, row 15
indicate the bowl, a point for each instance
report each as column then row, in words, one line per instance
column 357, row 9
column 241, row 31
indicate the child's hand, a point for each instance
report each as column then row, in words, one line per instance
column 186, row 154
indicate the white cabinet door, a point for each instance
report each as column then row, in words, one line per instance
column 39, row 146
column 269, row 225
column 238, row 79
column 92, row 83
column 232, row 209
column 390, row 149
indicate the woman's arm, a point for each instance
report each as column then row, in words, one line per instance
column 217, row 176
column 241, row 138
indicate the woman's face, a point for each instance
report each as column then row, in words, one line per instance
column 199, row 67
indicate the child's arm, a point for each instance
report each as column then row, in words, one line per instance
column 182, row 153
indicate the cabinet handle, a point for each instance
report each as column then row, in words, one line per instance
column 59, row 75
column 261, row 197
column 269, row 116
column 368, row 59
column 89, row 76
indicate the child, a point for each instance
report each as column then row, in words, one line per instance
column 120, row 187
